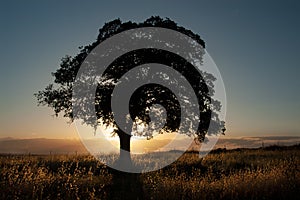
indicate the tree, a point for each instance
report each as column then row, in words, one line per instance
column 59, row 96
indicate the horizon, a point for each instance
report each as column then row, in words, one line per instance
column 45, row 146
column 116, row 137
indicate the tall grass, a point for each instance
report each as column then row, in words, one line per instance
column 244, row 174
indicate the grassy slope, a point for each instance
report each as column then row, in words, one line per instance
column 270, row 173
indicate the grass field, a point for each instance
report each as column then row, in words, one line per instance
column 269, row 173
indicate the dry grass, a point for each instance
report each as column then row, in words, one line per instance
column 245, row 174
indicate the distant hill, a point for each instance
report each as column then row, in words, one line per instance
column 40, row 146
column 256, row 142
column 70, row 146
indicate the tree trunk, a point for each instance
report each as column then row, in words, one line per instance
column 126, row 185
column 124, row 161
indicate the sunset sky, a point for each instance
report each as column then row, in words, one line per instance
column 255, row 45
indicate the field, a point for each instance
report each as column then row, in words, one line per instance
column 269, row 173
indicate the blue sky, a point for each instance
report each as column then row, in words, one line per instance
column 254, row 44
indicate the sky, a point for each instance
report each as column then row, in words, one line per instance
column 255, row 45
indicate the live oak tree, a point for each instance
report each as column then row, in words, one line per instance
column 58, row 96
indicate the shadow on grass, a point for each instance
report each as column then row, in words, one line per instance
column 125, row 185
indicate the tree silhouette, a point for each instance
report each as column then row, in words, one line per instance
column 59, row 95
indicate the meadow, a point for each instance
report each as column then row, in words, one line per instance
column 265, row 173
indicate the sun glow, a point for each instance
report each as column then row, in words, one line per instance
column 106, row 141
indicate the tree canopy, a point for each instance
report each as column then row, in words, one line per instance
column 58, row 96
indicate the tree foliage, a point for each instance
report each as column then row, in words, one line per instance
column 58, row 96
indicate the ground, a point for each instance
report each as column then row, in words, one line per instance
column 265, row 173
